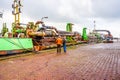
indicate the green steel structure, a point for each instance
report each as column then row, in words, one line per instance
column 69, row 29
column 4, row 29
column 84, row 35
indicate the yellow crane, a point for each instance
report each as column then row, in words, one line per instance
column 16, row 10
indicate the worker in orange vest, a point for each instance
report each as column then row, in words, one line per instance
column 59, row 44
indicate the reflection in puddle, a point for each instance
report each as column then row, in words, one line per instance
column 110, row 46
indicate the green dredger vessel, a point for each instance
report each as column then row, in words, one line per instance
column 32, row 37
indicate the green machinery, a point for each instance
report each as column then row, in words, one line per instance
column 4, row 29
column 69, row 29
column 84, row 35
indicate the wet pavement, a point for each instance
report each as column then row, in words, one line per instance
column 90, row 62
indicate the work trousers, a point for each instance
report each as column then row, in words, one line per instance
column 58, row 48
column 64, row 48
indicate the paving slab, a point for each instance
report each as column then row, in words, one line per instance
column 90, row 62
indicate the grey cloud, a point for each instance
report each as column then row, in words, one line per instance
column 41, row 8
column 71, row 11
column 3, row 4
column 6, row 5
column 38, row 9
column 106, row 8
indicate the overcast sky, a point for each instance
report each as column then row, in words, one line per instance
column 81, row 13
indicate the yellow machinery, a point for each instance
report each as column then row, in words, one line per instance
column 16, row 28
column 16, row 10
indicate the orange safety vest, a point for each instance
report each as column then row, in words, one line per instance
column 59, row 41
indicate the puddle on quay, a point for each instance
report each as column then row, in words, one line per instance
column 109, row 46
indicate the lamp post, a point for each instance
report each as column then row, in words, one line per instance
column 94, row 24
column 1, row 14
column 43, row 18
